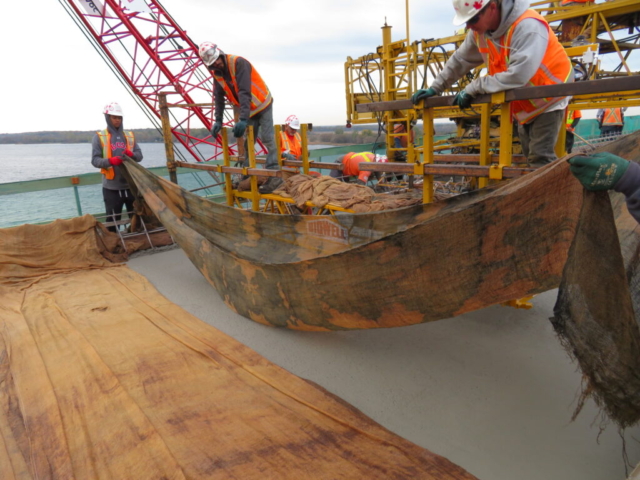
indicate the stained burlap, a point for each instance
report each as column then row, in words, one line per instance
column 102, row 377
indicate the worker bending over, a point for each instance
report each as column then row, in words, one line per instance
column 606, row 171
column 519, row 49
column 108, row 147
column 351, row 168
column 290, row 142
column 240, row 83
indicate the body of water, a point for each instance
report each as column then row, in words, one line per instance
column 20, row 163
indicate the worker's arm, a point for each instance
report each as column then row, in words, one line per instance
column 137, row 153
column 528, row 48
column 575, row 123
column 243, row 78
column 629, row 185
column 96, row 154
column 218, row 95
column 465, row 59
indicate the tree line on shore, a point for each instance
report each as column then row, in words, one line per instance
column 328, row 135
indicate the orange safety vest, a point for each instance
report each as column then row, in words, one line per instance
column 105, row 141
column 572, row 117
column 350, row 164
column 292, row 144
column 554, row 69
column 260, row 94
column 612, row 117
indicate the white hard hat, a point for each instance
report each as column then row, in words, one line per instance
column 467, row 9
column 381, row 158
column 293, row 122
column 209, row 53
column 112, row 109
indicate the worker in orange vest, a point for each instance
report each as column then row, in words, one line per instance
column 240, row 83
column 573, row 118
column 108, row 148
column 611, row 121
column 351, row 168
column 290, row 141
column 519, row 49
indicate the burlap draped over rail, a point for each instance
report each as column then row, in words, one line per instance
column 430, row 262
column 102, row 377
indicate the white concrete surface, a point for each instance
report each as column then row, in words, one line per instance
column 492, row 390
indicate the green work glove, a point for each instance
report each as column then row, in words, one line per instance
column 600, row 171
column 217, row 127
column 239, row 128
column 422, row 94
column 463, row 100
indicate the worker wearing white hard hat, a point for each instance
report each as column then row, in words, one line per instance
column 519, row 48
column 109, row 148
column 237, row 81
column 290, row 141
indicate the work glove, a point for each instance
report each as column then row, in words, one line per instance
column 360, row 182
column 215, row 130
column 129, row 153
column 239, row 128
column 288, row 156
column 422, row 94
column 570, row 129
column 463, row 100
column 115, row 161
column 600, row 171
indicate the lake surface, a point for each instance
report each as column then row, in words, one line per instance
column 20, row 163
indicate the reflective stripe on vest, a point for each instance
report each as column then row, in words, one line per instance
column 105, row 141
column 260, row 94
column 612, row 117
column 292, row 144
column 351, row 161
column 573, row 116
column 554, row 69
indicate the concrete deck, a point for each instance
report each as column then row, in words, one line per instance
column 492, row 390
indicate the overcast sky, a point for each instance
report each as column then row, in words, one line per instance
column 52, row 78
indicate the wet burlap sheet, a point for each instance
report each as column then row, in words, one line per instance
column 102, row 377
column 323, row 190
column 597, row 314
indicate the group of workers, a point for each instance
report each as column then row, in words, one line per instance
column 511, row 39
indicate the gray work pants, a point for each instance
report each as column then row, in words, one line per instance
column 262, row 124
column 539, row 137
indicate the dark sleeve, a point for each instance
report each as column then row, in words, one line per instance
column 96, row 154
column 629, row 185
column 575, row 122
column 137, row 153
column 243, row 78
column 218, row 100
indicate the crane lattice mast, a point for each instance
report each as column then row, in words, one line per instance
column 150, row 54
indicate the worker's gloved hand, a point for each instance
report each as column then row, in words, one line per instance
column 129, row 153
column 422, row 94
column 115, row 161
column 600, row 171
column 288, row 156
column 360, row 182
column 571, row 129
column 215, row 130
column 463, row 100
column 239, row 128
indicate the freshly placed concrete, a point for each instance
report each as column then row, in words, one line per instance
column 493, row 390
